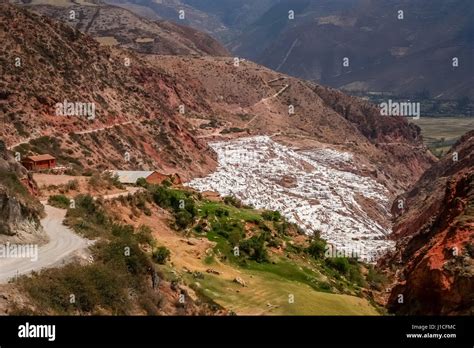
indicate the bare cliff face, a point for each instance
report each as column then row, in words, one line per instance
column 19, row 210
column 434, row 230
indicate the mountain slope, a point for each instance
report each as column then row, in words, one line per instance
column 435, row 239
column 405, row 56
column 142, row 102
column 252, row 100
column 385, row 53
column 19, row 210
column 224, row 19
column 133, row 103
column 113, row 25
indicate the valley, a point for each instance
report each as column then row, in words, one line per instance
column 441, row 133
column 243, row 190
column 317, row 189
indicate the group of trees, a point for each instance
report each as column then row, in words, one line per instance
column 180, row 203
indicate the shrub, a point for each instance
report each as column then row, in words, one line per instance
column 95, row 181
column 271, row 215
column 231, row 200
column 144, row 236
column 72, row 185
column 59, row 201
column 87, row 203
column 161, row 255
column 317, row 248
column 95, row 286
column 113, row 180
column 221, row 212
column 355, row 275
column 226, row 228
column 281, row 228
column 142, row 182
column 183, row 219
column 340, row 264
column 375, row 278
column 255, row 248
column 167, row 183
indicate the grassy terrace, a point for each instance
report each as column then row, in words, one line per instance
column 282, row 277
column 284, row 272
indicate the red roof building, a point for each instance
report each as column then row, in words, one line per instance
column 40, row 162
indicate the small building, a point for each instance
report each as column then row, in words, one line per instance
column 131, row 177
column 40, row 162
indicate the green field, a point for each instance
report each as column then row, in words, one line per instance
column 269, row 294
column 440, row 133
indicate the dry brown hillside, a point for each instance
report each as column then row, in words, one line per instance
column 250, row 99
column 137, row 107
column 136, row 123
column 112, row 25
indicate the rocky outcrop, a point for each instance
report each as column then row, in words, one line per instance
column 19, row 210
column 434, row 230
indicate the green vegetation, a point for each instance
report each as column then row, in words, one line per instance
column 233, row 130
column 441, row 133
column 49, row 145
column 10, row 181
column 88, row 218
column 71, row 185
column 59, row 201
column 260, row 245
column 161, row 255
column 317, row 248
column 271, row 215
column 340, row 264
column 436, row 108
column 243, row 237
column 120, row 267
column 99, row 181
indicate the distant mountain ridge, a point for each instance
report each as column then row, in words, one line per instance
column 117, row 26
column 409, row 55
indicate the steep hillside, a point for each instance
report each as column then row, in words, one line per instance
column 125, row 112
column 435, row 238
column 223, row 19
column 112, row 25
column 385, row 53
column 406, row 56
column 140, row 101
column 19, row 210
column 161, row 112
column 251, row 100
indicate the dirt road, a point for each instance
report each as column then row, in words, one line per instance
column 63, row 244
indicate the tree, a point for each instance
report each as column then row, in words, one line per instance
column 161, row 255
column 340, row 264
column 141, row 182
column 317, row 248
column 183, row 219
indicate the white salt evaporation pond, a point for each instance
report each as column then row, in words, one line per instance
column 307, row 188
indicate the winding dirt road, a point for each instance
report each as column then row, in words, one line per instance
column 63, row 244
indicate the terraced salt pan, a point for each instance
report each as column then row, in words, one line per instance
column 305, row 187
